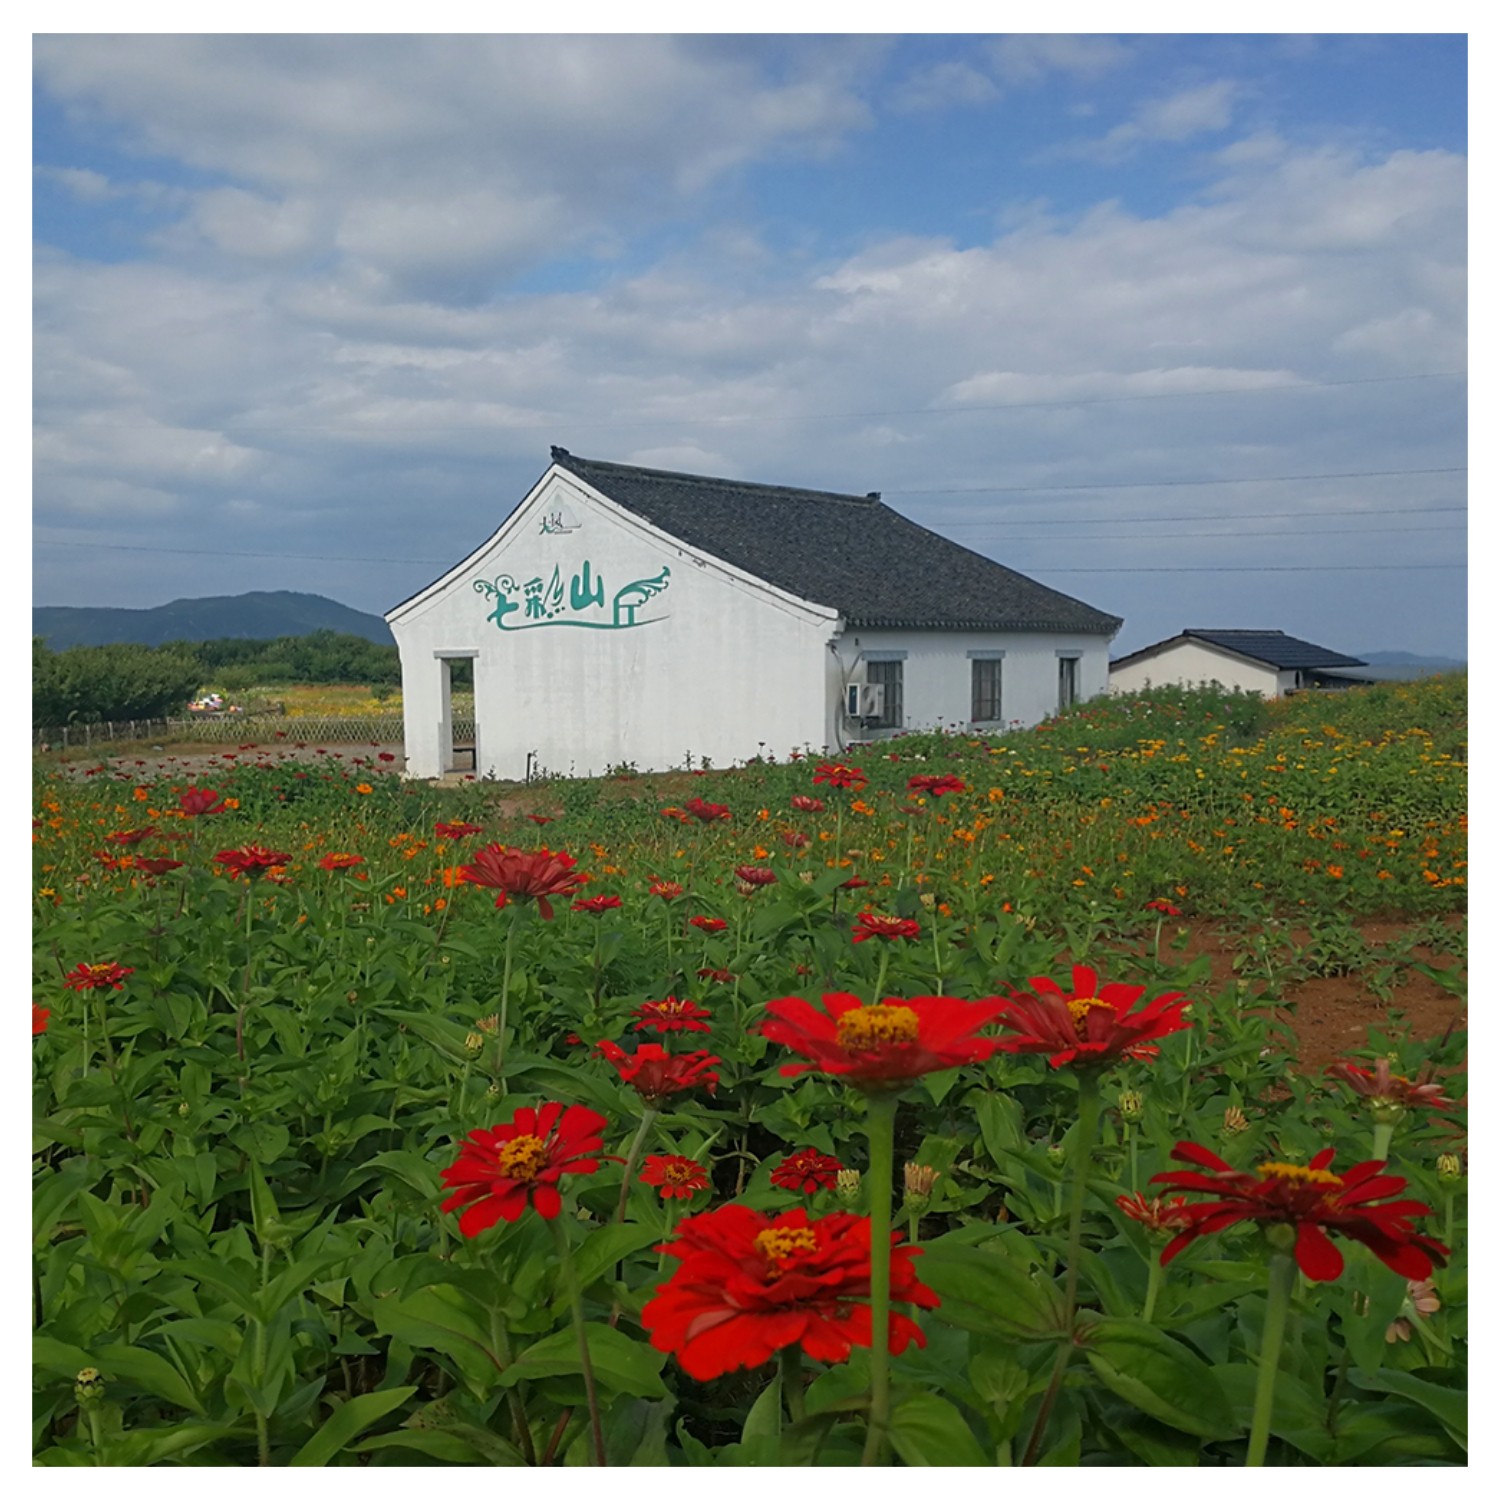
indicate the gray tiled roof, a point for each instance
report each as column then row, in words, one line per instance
column 1273, row 647
column 850, row 552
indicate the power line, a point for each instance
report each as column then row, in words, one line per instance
column 1212, row 536
column 220, row 552
column 1263, row 515
column 1153, row 484
column 827, row 416
column 1331, row 568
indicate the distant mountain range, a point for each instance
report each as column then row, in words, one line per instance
column 245, row 617
column 1402, row 666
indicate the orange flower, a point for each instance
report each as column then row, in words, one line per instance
column 364, row 789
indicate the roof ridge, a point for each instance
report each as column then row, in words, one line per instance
column 676, row 476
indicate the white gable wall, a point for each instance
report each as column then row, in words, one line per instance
column 703, row 662
column 937, row 672
column 1195, row 664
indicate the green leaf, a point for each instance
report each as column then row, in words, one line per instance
column 1450, row 1407
column 620, row 1363
column 439, row 1443
column 605, row 1245
column 1001, row 1122
column 441, row 1317
column 1159, row 1376
column 760, row 1438
column 984, row 1291
column 142, row 1448
column 928, row 1432
column 264, row 1215
column 147, row 1369
column 59, row 1358
column 52, row 1195
column 346, row 1424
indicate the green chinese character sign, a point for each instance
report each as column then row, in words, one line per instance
column 545, row 601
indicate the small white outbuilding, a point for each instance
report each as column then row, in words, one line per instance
column 623, row 615
column 1268, row 662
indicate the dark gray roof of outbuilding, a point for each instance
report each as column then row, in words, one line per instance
column 850, row 552
column 1273, row 647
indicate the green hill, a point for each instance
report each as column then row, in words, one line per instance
column 245, row 617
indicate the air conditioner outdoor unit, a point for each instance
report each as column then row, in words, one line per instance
column 866, row 700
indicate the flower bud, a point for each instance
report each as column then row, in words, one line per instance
column 493, row 1091
column 1449, row 1167
column 88, row 1385
column 1235, row 1122
column 473, row 1043
column 847, row 1185
column 920, row 1181
column 1056, row 1154
column 1132, row 1106
column 184, row 1109
column 928, row 899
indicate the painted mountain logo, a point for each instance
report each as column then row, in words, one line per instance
column 544, row 601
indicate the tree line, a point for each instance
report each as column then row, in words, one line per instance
column 93, row 684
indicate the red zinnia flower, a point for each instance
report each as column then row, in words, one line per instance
column 1159, row 1215
column 750, row 1285
column 455, row 830
column 96, row 977
column 885, row 1045
column 1164, row 907
column 806, row 1171
column 676, row 1176
column 807, row 804
column 540, row 819
column 1089, row 1027
column 708, row 924
column 130, row 835
column 854, row 883
column 671, row 1014
column 654, row 1073
column 499, row 1171
column 538, row 875
column 835, row 774
column 668, row 890
column 341, row 861
column 706, row 812
column 1388, row 1092
column 755, row 875
column 252, row 860
column 156, row 866
column 873, row 924
column 719, row 976
column 199, row 801
column 597, row 904
column 936, row 786
column 1313, row 1200
column 38, row 1019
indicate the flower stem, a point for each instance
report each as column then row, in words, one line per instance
column 633, row 1159
column 1278, row 1299
column 1381, row 1149
column 1153, row 1286
column 239, row 1020
column 791, row 1381
column 1083, row 1146
column 885, row 963
column 510, row 943
column 575, row 1301
column 880, row 1129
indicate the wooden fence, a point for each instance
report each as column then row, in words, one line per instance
column 238, row 729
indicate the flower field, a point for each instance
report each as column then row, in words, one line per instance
column 860, row 1112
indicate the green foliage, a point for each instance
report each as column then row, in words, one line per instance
column 90, row 684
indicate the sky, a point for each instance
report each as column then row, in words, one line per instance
column 1174, row 324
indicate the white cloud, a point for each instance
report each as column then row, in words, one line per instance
column 942, row 86
column 1177, row 117
column 326, row 357
column 1030, row 59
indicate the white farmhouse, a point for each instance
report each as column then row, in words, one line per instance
column 1268, row 662
column 627, row 615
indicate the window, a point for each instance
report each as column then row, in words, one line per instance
column 985, row 705
column 1067, row 682
column 887, row 674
